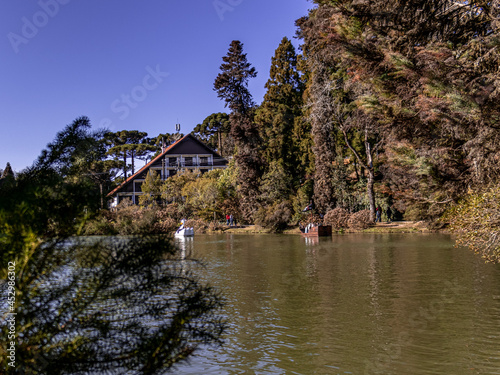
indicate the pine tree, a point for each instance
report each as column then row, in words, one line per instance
column 232, row 86
column 281, row 109
column 232, row 83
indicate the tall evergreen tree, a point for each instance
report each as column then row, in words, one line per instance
column 232, row 85
column 281, row 109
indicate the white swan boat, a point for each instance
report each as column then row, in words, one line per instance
column 183, row 231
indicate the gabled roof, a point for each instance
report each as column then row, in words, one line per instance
column 166, row 151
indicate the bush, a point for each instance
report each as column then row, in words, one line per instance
column 275, row 217
column 337, row 218
column 360, row 220
column 102, row 225
column 199, row 225
column 310, row 219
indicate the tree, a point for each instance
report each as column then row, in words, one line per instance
column 160, row 141
column 7, row 172
column 7, row 175
column 96, row 318
column 281, row 109
column 420, row 73
column 151, row 189
column 214, row 131
column 202, row 195
column 231, row 85
column 126, row 144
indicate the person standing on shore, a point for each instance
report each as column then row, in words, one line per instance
column 389, row 214
column 378, row 214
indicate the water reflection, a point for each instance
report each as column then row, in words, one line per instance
column 360, row 304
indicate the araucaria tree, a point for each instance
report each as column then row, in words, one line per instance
column 128, row 144
column 214, row 131
column 232, row 85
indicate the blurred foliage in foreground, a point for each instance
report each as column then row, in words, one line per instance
column 106, row 305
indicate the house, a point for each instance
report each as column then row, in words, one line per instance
column 186, row 153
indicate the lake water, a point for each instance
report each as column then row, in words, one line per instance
column 351, row 304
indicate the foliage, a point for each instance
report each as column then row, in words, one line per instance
column 360, row 220
column 202, row 194
column 214, row 131
column 338, row 218
column 231, row 85
column 151, row 189
column 7, row 172
column 232, row 82
column 275, row 217
column 476, row 223
column 281, row 109
column 126, row 144
column 276, row 184
column 172, row 187
column 421, row 73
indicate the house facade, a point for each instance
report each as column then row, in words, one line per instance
column 188, row 153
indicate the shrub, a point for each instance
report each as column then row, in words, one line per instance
column 360, row 220
column 165, row 225
column 102, row 225
column 275, row 217
column 310, row 219
column 337, row 218
column 198, row 225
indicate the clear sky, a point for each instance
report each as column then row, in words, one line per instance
column 126, row 64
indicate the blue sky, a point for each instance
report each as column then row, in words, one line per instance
column 125, row 64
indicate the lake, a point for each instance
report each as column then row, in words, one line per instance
column 350, row 304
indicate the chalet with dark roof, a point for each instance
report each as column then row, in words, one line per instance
column 186, row 153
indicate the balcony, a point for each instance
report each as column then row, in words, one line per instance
column 189, row 163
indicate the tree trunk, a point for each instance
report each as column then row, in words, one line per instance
column 125, row 164
column 371, row 193
column 371, row 176
column 133, row 167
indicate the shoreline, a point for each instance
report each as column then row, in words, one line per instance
column 392, row 227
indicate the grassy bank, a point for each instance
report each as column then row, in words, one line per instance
column 393, row 227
